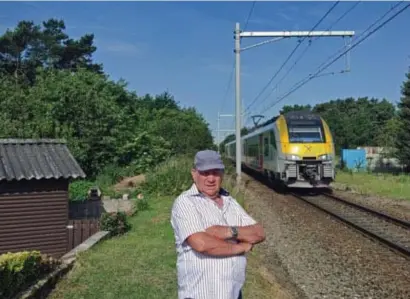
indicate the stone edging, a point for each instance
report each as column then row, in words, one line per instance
column 70, row 256
column 42, row 287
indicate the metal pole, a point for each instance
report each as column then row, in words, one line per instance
column 217, row 135
column 238, row 102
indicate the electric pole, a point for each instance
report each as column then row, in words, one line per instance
column 238, row 102
column 276, row 36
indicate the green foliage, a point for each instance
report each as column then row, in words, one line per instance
column 29, row 47
column 142, row 203
column 78, row 189
column 174, row 176
column 116, row 223
column 403, row 134
column 51, row 88
column 170, row 178
column 19, row 270
column 287, row 108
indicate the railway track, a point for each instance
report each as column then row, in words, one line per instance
column 390, row 231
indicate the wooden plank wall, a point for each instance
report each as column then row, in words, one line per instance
column 34, row 221
column 80, row 230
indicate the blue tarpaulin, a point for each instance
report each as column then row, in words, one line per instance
column 354, row 159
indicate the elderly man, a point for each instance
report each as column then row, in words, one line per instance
column 212, row 233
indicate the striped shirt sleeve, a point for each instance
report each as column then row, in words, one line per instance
column 185, row 219
column 246, row 219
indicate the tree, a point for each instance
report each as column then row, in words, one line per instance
column 403, row 135
column 28, row 46
column 287, row 108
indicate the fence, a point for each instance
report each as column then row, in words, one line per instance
column 80, row 230
column 83, row 221
column 88, row 209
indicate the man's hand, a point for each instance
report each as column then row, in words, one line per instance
column 246, row 246
column 252, row 233
column 206, row 244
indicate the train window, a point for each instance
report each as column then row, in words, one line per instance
column 266, row 146
column 272, row 138
column 305, row 134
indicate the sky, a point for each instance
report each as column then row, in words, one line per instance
column 186, row 48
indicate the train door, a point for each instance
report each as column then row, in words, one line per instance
column 261, row 152
column 266, row 151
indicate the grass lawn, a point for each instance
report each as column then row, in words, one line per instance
column 386, row 185
column 141, row 264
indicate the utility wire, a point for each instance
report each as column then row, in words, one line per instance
column 291, row 54
column 310, row 77
column 367, row 29
column 306, row 49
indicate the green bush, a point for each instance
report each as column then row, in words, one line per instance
column 142, row 203
column 78, row 189
column 174, row 176
column 169, row 178
column 21, row 269
column 115, row 222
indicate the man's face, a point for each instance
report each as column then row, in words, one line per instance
column 208, row 182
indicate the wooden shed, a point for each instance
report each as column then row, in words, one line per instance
column 34, row 179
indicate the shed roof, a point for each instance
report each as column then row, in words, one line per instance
column 37, row 159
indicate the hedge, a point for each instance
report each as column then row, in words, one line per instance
column 21, row 269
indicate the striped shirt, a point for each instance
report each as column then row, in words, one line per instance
column 202, row 276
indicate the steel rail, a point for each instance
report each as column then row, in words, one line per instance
column 393, row 245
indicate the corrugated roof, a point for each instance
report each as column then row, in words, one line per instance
column 37, row 159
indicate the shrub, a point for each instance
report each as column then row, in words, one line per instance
column 170, row 178
column 78, row 189
column 142, row 203
column 115, row 222
column 21, row 269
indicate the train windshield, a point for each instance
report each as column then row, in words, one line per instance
column 305, row 134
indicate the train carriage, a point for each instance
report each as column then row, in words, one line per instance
column 295, row 148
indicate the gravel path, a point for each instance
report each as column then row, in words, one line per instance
column 394, row 207
column 318, row 255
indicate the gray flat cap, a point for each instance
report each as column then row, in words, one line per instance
column 208, row 159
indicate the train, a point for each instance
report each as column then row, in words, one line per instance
column 295, row 149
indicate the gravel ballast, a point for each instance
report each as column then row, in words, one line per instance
column 319, row 256
column 394, row 207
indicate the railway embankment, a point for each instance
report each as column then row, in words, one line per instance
column 383, row 192
column 318, row 255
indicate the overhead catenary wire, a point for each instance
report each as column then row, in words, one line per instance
column 312, row 76
column 366, row 30
column 304, row 52
column 290, row 56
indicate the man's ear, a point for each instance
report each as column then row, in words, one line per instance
column 193, row 174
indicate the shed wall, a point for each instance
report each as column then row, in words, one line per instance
column 34, row 216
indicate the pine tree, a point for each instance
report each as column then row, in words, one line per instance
column 403, row 136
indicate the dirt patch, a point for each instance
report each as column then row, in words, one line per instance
column 130, row 182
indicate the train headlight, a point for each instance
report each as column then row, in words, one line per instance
column 293, row 157
column 325, row 157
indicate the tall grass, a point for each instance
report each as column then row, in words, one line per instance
column 174, row 176
column 386, row 185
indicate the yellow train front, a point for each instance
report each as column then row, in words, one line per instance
column 296, row 148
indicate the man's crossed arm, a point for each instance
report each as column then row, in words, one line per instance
column 253, row 234
column 215, row 240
